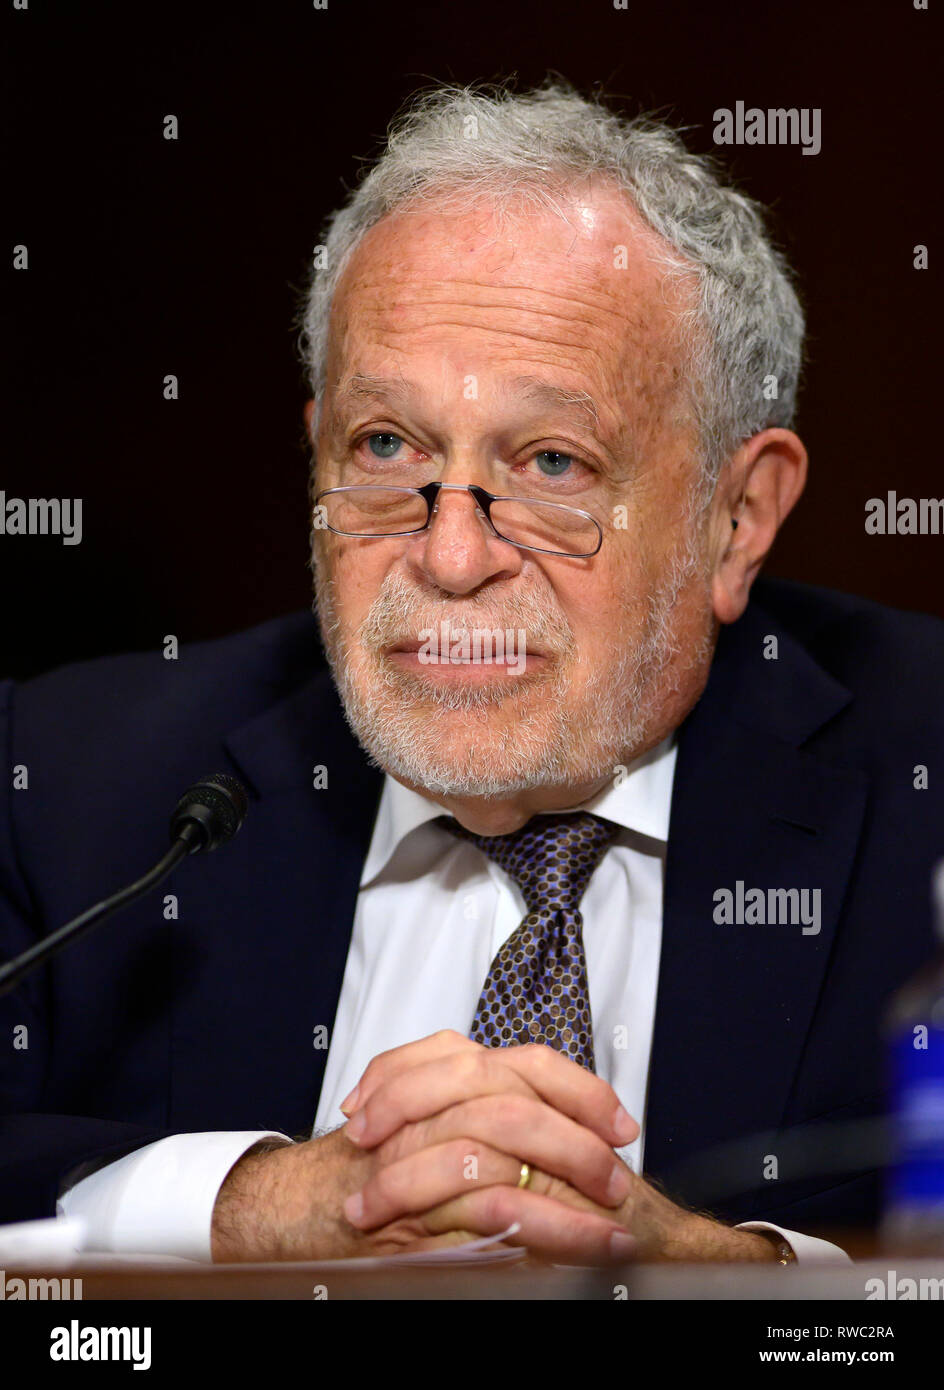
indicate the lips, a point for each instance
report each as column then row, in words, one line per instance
column 410, row 647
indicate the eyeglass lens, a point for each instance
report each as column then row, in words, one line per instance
column 384, row 511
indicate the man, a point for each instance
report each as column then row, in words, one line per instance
column 553, row 366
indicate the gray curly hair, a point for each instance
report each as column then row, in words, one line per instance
column 455, row 142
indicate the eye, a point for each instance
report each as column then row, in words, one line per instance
column 384, row 446
column 551, row 463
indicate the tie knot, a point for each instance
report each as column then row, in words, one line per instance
column 551, row 857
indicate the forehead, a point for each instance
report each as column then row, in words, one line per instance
column 577, row 289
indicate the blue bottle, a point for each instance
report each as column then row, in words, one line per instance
column 914, row 1200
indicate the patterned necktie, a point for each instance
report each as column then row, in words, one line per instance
column 536, row 989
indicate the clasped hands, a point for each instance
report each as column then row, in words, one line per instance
column 449, row 1124
column 431, row 1156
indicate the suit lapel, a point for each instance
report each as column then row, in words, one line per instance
column 735, row 1002
column 265, row 926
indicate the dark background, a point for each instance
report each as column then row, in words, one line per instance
column 150, row 257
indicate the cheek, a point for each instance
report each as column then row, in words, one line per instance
column 602, row 605
column 625, row 577
column 358, row 572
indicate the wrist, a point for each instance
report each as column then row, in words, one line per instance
column 703, row 1238
column 241, row 1227
column 753, row 1247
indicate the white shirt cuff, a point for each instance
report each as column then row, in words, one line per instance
column 807, row 1249
column 159, row 1200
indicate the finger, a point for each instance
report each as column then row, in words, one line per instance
column 426, row 1179
column 561, row 1082
column 573, row 1090
column 546, row 1226
column 529, row 1131
column 387, row 1064
column 423, row 1090
column 420, row 1181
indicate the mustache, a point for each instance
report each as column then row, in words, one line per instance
column 400, row 612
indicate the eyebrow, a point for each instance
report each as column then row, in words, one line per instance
column 361, row 387
column 577, row 404
column 558, row 398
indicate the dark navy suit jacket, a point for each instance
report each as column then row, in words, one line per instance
column 794, row 772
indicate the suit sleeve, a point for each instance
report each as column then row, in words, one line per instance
column 37, row 1149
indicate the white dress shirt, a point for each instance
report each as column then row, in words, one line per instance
column 432, row 913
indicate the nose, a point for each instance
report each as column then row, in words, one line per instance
column 459, row 551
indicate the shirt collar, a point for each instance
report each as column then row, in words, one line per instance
column 638, row 799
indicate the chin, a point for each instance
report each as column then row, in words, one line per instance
column 493, row 750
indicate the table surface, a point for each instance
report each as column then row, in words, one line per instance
column 130, row 1279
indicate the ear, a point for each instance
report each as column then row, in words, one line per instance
column 758, row 489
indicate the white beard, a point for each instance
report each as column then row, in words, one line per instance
column 438, row 735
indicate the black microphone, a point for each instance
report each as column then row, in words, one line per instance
column 210, row 812
column 207, row 815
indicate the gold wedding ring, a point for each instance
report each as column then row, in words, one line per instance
column 525, row 1179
